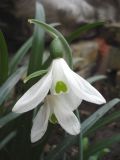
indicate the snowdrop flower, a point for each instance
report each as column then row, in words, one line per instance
column 55, row 108
column 67, row 90
column 60, row 80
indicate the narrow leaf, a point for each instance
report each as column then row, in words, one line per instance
column 96, row 78
column 38, row 42
column 10, row 83
column 3, row 59
column 20, row 54
column 98, row 114
column 83, row 29
column 8, row 118
column 7, row 139
column 104, row 121
column 35, row 74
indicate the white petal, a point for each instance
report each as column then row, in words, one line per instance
column 65, row 116
column 87, row 92
column 71, row 99
column 80, row 87
column 34, row 95
column 60, row 69
column 40, row 123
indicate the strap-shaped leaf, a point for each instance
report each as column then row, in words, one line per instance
column 83, row 29
column 96, row 78
column 37, row 43
column 35, row 74
column 8, row 118
column 104, row 121
column 3, row 59
column 7, row 139
column 10, row 83
column 98, row 114
column 17, row 58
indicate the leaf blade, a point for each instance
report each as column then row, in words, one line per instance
column 3, row 59
column 19, row 55
column 36, row 56
column 9, row 84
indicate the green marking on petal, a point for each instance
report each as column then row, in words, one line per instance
column 53, row 119
column 61, row 87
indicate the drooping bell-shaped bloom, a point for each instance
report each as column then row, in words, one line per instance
column 60, row 80
column 67, row 90
column 58, row 109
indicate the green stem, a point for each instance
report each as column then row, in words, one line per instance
column 80, row 156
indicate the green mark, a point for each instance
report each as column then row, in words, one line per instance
column 60, row 87
column 53, row 119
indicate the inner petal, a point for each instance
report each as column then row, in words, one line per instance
column 53, row 119
column 60, row 87
column 59, row 83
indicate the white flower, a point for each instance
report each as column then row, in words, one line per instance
column 67, row 90
column 60, row 80
column 58, row 107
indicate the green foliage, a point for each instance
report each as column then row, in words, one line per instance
column 3, row 59
column 7, row 139
column 113, row 116
column 10, row 83
column 83, row 29
column 88, row 123
column 56, row 34
column 96, row 78
column 17, row 58
column 8, row 118
column 36, row 56
column 35, row 74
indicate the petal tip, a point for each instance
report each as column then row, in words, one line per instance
column 102, row 100
column 17, row 109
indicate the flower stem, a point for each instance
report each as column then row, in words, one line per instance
column 80, row 156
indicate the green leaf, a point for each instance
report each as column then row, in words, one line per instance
column 70, row 140
column 7, row 139
column 83, row 29
column 8, row 118
column 3, row 59
column 16, row 59
column 19, row 55
column 104, row 121
column 35, row 74
column 47, row 63
column 55, row 33
column 10, row 83
column 98, row 114
column 96, row 78
column 38, row 42
column 107, row 142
